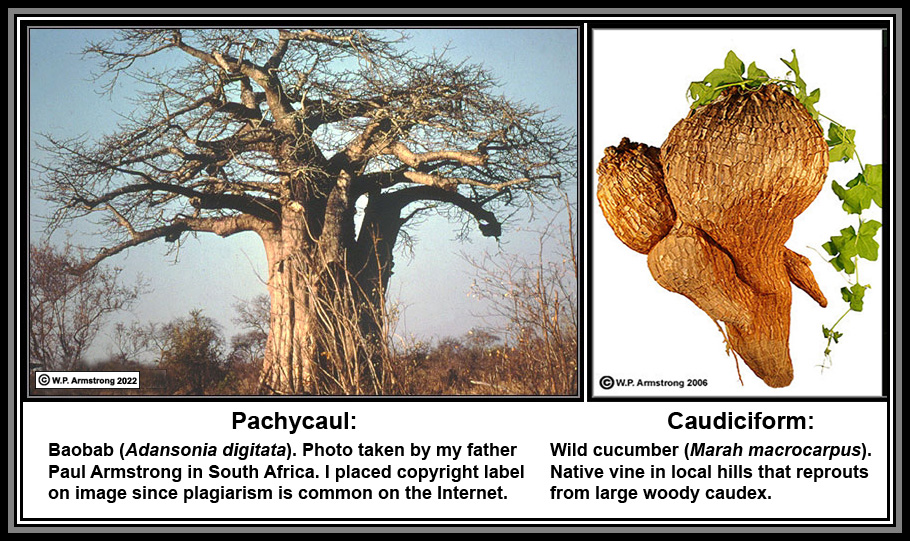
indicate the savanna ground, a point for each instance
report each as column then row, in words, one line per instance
column 530, row 346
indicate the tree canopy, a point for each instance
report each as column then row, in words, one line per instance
column 232, row 117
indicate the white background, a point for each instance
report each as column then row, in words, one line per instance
column 640, row 78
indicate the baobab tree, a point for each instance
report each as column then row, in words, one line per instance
column 325, row 143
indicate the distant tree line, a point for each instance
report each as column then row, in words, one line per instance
column 530, row 349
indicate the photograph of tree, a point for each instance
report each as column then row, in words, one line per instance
column 328, row 151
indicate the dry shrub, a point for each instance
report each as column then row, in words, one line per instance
column 67, row 309
column 347, row 323
column 530, row 346
column 535, row 301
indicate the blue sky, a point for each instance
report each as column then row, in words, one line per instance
column 432, row 284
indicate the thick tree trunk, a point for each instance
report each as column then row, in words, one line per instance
column 327, row 321
column 290, row 357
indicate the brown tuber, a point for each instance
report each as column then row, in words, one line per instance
column 713, row 208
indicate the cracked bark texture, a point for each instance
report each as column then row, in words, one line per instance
column 633, row 196
column 736, row 173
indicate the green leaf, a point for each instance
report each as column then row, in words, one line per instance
column 843, row 247
column 866, row 247
column 846, row 294
column 828, row 333
column 756, row 73
column 845, row 242
column 857, row 196
column 734, row 64
column 793, row 64
column 705, row 91
column 809, row 101
column 723, row 76
column 873, row 176
column 854, row 296
column 839, row 190
column 806, row 98
column 843, row 263
column 794, row 67
column 850, row 243
column 840, row 143
column 701, row 94
column 756, row 77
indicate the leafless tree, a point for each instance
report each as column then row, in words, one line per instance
column 252, row 318
column 292, row 134
column 66, row 310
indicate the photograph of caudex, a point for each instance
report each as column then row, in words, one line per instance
column 712, row 208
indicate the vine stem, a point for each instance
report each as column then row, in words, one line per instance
column 838, row 321
column 761, row 82
column 827, row 361
column 854, row 275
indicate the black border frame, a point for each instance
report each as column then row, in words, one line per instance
column 537, row 524
column 112, row 21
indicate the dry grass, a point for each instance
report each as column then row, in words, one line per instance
column 531, row 350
